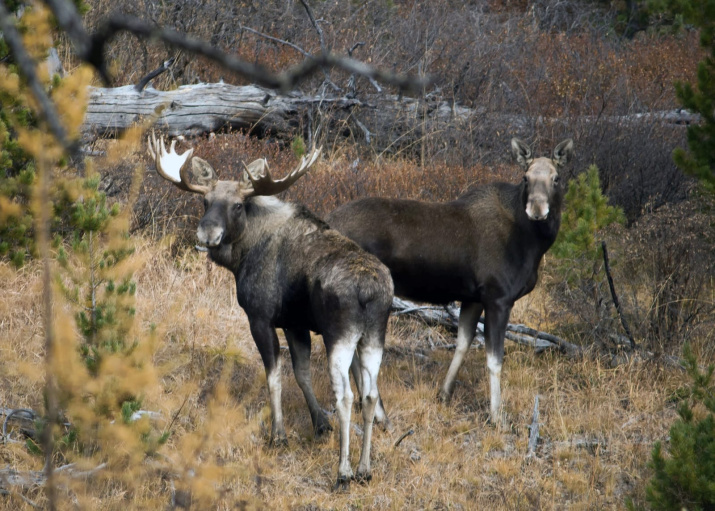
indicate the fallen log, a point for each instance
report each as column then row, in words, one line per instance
column 448, row 316
column 189, row 110
column 394, row 120
column 26, row 479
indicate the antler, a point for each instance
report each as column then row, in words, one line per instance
column 262, row 182
column 172, row 166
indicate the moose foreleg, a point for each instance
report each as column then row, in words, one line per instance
column 299, row 345
column 468, row 319
column 267, row 343
column 496, row 319
column 370, row 356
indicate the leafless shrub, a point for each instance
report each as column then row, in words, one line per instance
column 670, row 263
column 663, row 268
column 570, row 16
column 635, row 163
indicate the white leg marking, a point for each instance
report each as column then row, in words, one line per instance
column 494, row 366
column 468, row 319
column 340, row 359
column 370, row 360
column 274, row 389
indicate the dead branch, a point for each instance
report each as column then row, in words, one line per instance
column 25, row 62
column 284, row 81
column 616, row 303
column 315, row 24
column 197, row 109
column 9, row 413
column 28, row 479
column 590, row 444
column 403, row 436
column 448, row 317
column 276, row 40
column 533, row 430
column 385, row 120
column 144, row 81
column 91, row 49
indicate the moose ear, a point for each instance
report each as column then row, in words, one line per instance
column 521, row 152
column 202, row 172
column 562, row 152
column 257, row 168
column 253, row 170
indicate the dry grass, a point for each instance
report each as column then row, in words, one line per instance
column 597, row 424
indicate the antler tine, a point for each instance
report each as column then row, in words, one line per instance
column 172, row 166
column 262, row 182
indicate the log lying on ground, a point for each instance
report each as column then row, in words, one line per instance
column 26, row 479
column 206, row 107
column 188, row 110
column 448, row 316
column 392, row 120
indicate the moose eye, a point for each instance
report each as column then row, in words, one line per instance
column 237, row 207
column 556, row 180
column 206, row 204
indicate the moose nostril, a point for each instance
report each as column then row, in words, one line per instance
column 537, row 213
column 210, row 235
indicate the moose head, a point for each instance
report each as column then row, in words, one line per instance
column 543, row 184
column 224, row 217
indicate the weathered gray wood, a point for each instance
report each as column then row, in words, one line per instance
column 14, row 479
column 196, row 109
column 206, row 107
column 448, row 317
column 188, row 110
column 533, row 430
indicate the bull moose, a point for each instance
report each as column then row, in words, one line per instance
column 293, row 272
column 483, row 249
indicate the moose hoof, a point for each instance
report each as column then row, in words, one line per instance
column 500, row 423
column 385, row 424
column 343, row 483
column 279, row 441
column 322, row 427
column 444, row 397
column 363, row 477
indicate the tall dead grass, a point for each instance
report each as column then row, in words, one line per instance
column 597, row 423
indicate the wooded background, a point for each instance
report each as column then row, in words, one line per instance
column 541, row 71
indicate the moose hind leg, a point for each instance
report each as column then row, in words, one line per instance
column 380, row 413
column 299, row 345
column 340, row 355
column 468, row 319
column 370, row 356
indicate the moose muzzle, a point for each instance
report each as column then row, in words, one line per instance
column 209, row 233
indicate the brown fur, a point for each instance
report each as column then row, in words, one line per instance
column 482, row 249
column 293, row 272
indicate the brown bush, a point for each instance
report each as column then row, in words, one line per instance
column 668, row 271
column 163, row 209
column 480, row 55
column 541, row 72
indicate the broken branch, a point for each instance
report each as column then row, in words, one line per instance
column 448, row 318
column 533, row 430
column 616, row 303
